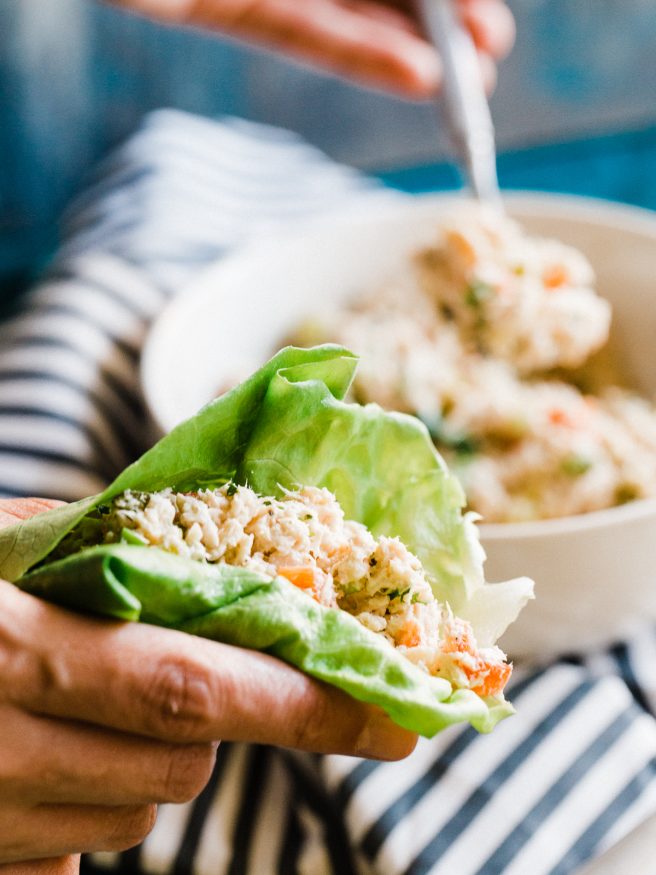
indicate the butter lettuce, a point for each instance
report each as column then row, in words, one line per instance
column 288, row 426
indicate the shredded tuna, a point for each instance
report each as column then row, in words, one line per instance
column 304, row 537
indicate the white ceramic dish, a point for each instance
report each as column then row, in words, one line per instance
column 596, row 573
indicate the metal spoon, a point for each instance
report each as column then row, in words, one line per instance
column 464, row 100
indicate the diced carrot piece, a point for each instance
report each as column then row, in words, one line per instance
column 487, row 678
column 559, row 417
column 301, row 576
column 495, row 680
column 555, row 276
column 410, row 635
column 579, row 418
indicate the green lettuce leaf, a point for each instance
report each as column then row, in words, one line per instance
column 240, row 607
column 288, row 426
column 204, row 451
column 386, row 473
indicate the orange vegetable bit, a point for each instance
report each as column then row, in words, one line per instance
column 302, row 576
column 560, row 417
column 410, row 635
column 555, row 276
column 487, row 677
column 495, row 679
column 578, row 418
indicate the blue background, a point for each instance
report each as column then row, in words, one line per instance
column 575, row 109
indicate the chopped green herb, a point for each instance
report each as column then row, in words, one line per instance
column 460, row 443
column 433, row 422
column 465, row 446
column 575, row 465
column 351, row 588
column 477, row 292
column 308, row 516
column 130, row 537
column 398, row 593
column 626, row 492
column 266, row 503
column 232, row 488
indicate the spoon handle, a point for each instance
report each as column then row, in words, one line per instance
column 465, row 102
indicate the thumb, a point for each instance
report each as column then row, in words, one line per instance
column 14, row 510
column 52, row 866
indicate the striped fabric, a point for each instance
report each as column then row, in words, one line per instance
column 563, row 780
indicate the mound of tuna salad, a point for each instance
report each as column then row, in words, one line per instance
column 521, row 299
column 304, row 537
column 478, row 338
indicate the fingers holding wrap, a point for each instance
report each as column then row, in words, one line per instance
column 174, row 687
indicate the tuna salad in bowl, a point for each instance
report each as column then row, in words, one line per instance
column 522, row 343
column 484, row 336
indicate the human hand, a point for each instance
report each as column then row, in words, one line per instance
column 61, row 866
column 375, row 41
column 101, row 720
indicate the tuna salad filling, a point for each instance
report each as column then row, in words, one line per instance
column 477, row 338
column 525, row 300
column 304, row 537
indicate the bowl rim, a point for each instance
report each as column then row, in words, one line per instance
column 607, row 518
column 595, row 210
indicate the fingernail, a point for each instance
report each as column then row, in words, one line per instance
column 382, row 739
column 426, row 67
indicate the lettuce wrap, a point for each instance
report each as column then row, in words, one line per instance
column 287, row 427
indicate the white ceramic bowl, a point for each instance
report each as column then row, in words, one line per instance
column 595, row 573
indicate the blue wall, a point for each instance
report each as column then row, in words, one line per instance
column 76, row 77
